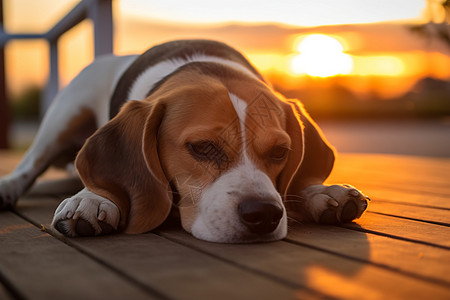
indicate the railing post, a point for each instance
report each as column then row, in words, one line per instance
column 100, row 12
column 4, row 107
column 51, row 89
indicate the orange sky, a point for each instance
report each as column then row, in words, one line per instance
column 384, row 56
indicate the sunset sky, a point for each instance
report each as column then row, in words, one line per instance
column 367, row 43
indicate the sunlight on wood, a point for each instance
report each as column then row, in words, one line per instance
column 323, row 279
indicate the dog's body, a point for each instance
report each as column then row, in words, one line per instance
column 208, row 135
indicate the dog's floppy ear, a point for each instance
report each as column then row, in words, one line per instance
column 311, row 157
column 120, row 162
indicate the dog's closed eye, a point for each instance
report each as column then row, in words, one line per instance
column 278, row 153
column 208, row 151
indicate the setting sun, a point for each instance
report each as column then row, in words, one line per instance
column 322, row 56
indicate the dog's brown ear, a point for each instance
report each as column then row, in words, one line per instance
column 311, row 159
column 121, row 163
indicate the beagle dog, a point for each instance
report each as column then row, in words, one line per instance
column 188, row 125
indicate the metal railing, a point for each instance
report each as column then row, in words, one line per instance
column 99, row 11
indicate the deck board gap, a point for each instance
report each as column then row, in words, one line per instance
column 410, row 204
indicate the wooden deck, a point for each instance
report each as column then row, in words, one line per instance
column 399, row 249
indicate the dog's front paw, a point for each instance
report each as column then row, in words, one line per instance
column 335, row 203
column 86, row 214
column 10, row 190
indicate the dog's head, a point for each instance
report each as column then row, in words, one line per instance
column 227, row 149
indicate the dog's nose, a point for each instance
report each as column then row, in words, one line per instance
column 261, row 216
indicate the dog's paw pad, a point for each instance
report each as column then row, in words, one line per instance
column 106, row 228
column 84, row 228
column 5, row 202
column 81, row 227
column 349, row 212
column 62, row 227
column 328, row 216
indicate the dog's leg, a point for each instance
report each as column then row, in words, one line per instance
column 86, row 214
column 61, row 133
column 75, row 113
column 333, row 204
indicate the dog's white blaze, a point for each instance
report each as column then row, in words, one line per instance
column 147, row 79
column 240, row 107
column 248, row 168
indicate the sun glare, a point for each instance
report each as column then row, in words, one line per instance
column 322, row 56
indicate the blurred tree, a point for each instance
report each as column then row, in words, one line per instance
column 26, row 105
column 438, row 13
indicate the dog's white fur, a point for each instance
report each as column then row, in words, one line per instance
column 152, row 75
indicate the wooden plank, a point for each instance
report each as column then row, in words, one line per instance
column 41, row 267
column 171, row 269
column 421, row 170
column 407, row 197
column 9, row 161
column 433, row 215
column 404, row 229
column 415, row 259
column 332, row 275
column 53, row 182
column 66, row 186
column 404, row 187
column 426, row 175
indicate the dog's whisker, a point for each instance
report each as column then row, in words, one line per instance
column 294, row 196
column 294, row 220
column 295, row 201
